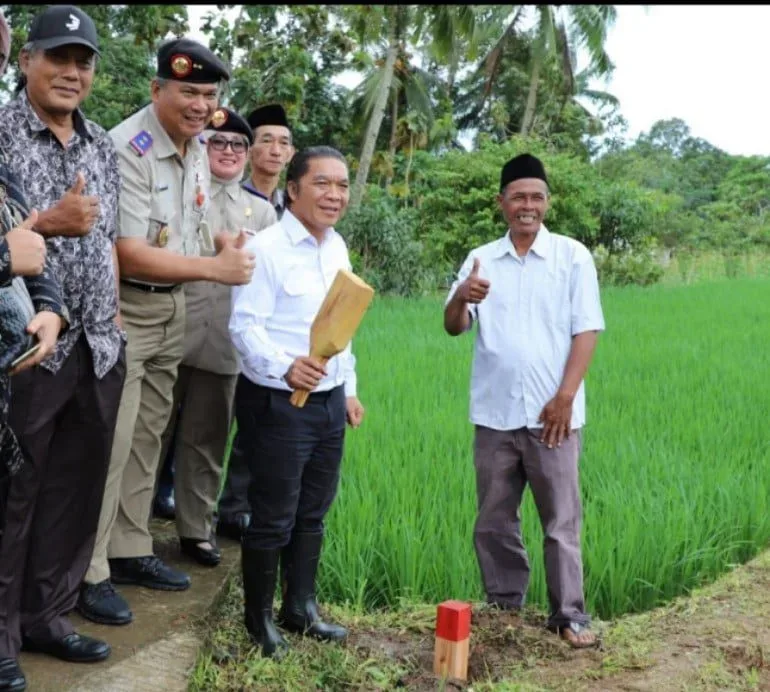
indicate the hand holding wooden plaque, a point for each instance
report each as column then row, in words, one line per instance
column 337, row 320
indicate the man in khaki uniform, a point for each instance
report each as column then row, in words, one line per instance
column 163, row 200
column 205, row 388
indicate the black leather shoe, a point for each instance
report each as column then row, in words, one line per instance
column 191, row 547
column 73, row 647
column 148, row 571
column 11, row 677
column 299, row 610
column 101, row 603
column 164, row 506
column 236, row 527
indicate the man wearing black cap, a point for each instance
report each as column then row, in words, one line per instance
column 63, row 412
column 270, row 153
column 164, row 198
column 535, row 296
column 205, row 387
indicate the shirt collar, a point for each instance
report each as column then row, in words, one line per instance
column 276, row 199
column 37, row 125
column 539, row 247
column 231, row 187
column 246, row 184
column 296, row 230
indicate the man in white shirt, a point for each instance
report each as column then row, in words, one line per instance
column 293, row 454
column 535, row 296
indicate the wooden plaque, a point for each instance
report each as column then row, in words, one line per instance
column 337, row 320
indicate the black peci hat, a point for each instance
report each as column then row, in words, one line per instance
column 271, row 114
column 522, row 166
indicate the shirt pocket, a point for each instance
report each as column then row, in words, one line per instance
column 303, row 292
column 162, row 223
column 298, row 282
column 553, row 298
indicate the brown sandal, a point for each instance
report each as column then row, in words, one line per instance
column 572, row 632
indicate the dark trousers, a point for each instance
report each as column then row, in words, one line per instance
column 65, row 424
column 235, row 493
column 294, row 457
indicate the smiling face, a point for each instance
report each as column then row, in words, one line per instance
column 58, row 79
column 524, row 203
column 320, row 196
column 227, row 154
column 184, row 109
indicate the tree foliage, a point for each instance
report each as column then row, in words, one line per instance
column 432, row 76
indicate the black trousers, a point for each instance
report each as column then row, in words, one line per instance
column 294, row 457
column 65, row 424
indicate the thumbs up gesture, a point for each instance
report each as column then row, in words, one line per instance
column 27, row 248
column 75, row 213
column 234, row 264
column 474, row 289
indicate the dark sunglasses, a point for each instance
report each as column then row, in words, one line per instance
column 237, row 145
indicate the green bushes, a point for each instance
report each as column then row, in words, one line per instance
column 410, row 239
column 383, row 247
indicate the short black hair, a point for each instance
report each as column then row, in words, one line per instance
column 300, row 163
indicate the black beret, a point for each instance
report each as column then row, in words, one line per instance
column 63, row 25
column 225, row 120
column 271, row 114
column 522, row 166
column 189, row 61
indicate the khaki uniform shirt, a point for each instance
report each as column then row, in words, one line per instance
column 163, row 197
column 207, row 338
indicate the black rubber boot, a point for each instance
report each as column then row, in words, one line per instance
column 299, row 610
column 260, row 571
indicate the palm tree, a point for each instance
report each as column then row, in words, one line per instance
column 391, row 27
column 561, row 29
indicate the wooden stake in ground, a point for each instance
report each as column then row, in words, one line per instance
column 337, row 320
column 453, row 629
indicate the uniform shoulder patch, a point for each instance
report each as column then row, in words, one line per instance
column 141, row 143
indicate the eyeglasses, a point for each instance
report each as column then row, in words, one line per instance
column 238, row 146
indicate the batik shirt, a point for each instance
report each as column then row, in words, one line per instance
column 83, row 266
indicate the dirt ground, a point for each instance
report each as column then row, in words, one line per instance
column 714, row 639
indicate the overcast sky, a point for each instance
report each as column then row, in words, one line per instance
column 704, row 64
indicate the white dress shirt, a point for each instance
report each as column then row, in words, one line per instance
column 536, row 304
column 272, row 315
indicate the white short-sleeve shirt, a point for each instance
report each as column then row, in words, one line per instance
column 536, row 304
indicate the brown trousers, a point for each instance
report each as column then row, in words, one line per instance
column 65, row 424
column 505, row 462
column 202, row 428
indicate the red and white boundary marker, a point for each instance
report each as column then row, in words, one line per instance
column 453, row 629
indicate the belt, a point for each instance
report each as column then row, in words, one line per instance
column 149, row 288
column 285, row 394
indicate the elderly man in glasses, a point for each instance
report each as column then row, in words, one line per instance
column 205, row 388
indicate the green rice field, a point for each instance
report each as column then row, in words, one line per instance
column 675, row 474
